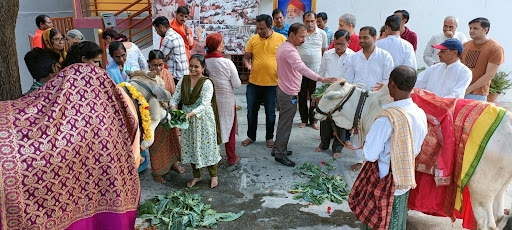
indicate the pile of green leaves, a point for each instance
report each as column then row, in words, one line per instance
column 180, row 210
column 178, row 119
column 319, row 92
column 321, row 185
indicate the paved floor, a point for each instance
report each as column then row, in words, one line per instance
column 259, row 185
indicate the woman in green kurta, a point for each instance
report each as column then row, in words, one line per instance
column 199, row 143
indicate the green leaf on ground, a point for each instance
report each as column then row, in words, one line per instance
column 321, row 185
column 182, row 211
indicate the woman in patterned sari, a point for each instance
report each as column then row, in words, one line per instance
column 69, row 155
column 165, row 152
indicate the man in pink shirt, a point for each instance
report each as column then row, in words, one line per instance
column 290, row 70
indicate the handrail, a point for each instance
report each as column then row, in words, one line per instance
column 135, row 15
column 140, row 30
column 134, row 24
column 126, row 8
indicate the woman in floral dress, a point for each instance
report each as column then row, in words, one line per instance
column 200, row 142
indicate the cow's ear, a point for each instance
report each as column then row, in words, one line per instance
column 333, row 95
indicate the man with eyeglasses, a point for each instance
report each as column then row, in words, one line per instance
column 43, row 22
column 332, row 65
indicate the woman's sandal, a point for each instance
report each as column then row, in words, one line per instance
column 193, row 182
column 247, row 142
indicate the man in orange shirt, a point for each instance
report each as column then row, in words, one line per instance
column 178, row 25
column 43, row 22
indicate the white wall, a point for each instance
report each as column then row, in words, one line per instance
column 426, row 18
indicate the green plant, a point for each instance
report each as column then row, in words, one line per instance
column 321, row 185
column 421, row 69
column 500, row 83
column 179, row 210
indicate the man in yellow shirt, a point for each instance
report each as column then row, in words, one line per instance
column 260, row 59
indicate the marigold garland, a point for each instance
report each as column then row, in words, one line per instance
column 143, row 108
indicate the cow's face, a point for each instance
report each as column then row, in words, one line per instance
column 337, row 92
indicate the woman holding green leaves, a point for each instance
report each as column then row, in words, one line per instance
column 200, row 142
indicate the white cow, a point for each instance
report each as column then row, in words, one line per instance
column 152, row 87
column 491, row 177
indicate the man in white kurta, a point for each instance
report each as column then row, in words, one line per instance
column 332, row 65
column 449, row 31
column 378, row 140
column 370, row 67
column 400, row 49
column 448, row 78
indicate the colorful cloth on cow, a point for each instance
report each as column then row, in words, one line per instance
column 199, row 144
column 481, row 132
column 436, row 163
column 68, row 161
column 166, row 149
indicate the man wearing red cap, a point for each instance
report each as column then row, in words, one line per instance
column 295, row 11
column 454, row 75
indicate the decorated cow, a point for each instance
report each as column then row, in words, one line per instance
column 466, row 152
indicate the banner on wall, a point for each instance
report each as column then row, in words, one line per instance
column 234, row 19
column 294, row 9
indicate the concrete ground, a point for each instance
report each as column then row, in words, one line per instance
column 258, row 185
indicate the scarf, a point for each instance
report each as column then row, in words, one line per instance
column 65, row 144
column 47, row 43
column 189, row 98
column 401, row 148
column 214, row 55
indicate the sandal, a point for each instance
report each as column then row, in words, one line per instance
column 270, row 143
column 247, row 142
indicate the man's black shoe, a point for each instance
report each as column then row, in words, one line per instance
column 288, row 153
column 285, row 161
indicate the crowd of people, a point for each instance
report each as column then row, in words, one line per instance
column 287, row 62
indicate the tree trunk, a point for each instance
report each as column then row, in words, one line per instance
column 10, row 84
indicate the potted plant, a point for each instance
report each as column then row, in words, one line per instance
column 499, row 84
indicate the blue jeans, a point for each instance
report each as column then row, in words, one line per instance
column 261, row 94
column 476, row 97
